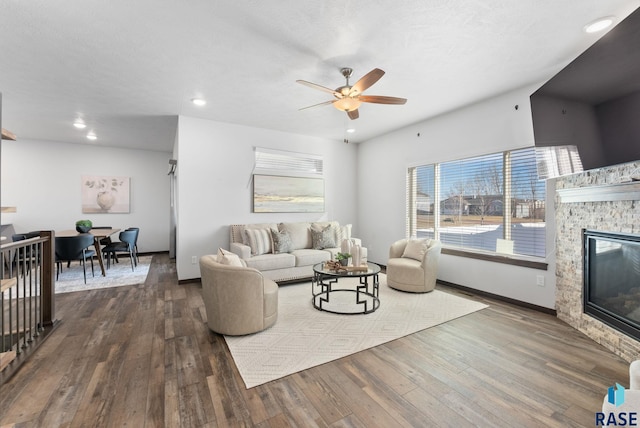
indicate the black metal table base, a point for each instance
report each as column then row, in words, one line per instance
column 366, row 294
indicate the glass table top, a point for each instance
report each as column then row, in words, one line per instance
column 364, row 270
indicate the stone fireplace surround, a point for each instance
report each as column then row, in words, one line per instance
column 584, row 201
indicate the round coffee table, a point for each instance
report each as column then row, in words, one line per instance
column 324, row 288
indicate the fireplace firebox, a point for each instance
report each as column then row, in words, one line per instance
column 612, row 279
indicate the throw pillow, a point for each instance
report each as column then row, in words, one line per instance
column 228, row 258
column 238, row 231
column 415, row 249
column 335, row 226
column 281, row 242
column 300, row 234
column 324, row 238
column 345, row 232
column 220, row 254
column 259, row 240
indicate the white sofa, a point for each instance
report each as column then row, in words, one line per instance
column 263, row 246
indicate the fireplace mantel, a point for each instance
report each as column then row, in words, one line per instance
column 607, row 192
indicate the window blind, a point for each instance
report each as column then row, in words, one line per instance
column 555, row 161
column 493, row 203
column 280, row 162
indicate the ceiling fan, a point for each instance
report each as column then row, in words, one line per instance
column 349, row 98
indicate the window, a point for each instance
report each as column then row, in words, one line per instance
column 280, row 162
column 493, row 203
column 558, row 160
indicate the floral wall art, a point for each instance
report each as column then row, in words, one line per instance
column 105, row 194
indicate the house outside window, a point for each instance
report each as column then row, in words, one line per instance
column 492, row 203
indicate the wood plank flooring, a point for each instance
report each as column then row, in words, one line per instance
column 142, row 356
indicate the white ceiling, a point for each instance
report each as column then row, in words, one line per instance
column 129, row 68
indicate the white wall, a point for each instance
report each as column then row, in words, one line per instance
column 491, row 126
column 43, row 180
column 215, row 163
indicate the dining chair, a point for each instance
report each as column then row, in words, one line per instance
column 135, row 245
column 70, row 248
column 126, row 245
column 22, row 256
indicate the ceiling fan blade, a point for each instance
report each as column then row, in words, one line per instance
column 366, row 81
column 318, row 87
column 353, row 114
column 379, row 99
column 318, row 105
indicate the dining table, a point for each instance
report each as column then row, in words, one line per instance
column 98, row 234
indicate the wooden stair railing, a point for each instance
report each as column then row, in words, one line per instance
column 27, row 300
column 8, row 135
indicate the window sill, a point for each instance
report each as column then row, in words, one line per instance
column 497, row 258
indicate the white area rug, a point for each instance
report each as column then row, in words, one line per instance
column 304, row 337
column 71, row 279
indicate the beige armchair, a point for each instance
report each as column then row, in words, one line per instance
column 238, row 300
column 413, row 265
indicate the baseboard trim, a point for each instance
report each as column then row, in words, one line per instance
column 473, row 291
column 509, row 300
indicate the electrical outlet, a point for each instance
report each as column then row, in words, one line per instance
column 540, row 280
column 194, row 260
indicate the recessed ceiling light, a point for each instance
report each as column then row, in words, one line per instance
column 351, row 130
column 79, row 124
column 599, row 24
column 198, row 101
column 92, row 136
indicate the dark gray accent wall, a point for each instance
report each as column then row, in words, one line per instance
column 593, row 102
column 619, row 123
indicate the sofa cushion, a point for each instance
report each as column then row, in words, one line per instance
column 259, row 240
column 333, row 252
column 415, row 249
column 300, row 234
column 323, row 238
column 308, row 257
column 266, row 262
column 281, row 241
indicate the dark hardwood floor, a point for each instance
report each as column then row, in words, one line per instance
column 143, row 356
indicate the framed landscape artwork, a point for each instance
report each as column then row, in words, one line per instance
column 280, row 194
column 105, row 194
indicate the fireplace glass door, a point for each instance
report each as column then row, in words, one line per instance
column 612, row 279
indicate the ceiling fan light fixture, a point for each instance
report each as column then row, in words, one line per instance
column 347, row 104
column 349, row 98
column 344, row 90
